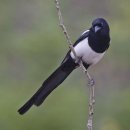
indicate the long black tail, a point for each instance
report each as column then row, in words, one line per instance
column 53, row 81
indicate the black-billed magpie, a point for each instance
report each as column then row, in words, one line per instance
column 90, row 48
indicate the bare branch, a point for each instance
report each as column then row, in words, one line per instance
column 65, row 30
column 79, row 61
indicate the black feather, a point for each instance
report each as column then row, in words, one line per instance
column 53, row 81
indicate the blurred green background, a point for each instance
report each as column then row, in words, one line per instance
column 32, row 45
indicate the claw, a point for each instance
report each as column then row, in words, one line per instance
column 78, row 60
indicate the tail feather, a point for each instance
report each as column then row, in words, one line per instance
column 50, row 84
column 26, row 106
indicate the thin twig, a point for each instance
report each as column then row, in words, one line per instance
column 79, row 61
column 65, row 30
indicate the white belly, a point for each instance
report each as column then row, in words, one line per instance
column 84, row 51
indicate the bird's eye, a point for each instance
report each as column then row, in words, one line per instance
column 99, row 25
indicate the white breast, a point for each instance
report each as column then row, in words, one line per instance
column 84, row 51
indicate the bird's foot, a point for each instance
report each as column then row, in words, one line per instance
column 78, row 60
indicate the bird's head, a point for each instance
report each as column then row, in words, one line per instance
column 99, row 37
column 100, row 27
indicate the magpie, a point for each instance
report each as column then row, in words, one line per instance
column 90, row 48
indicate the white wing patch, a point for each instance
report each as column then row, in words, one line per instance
column 85, row 32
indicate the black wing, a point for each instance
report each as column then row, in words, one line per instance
column 81, row 38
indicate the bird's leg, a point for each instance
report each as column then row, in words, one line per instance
column 78, row 60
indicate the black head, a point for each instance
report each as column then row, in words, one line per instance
column 99, row 35
column 100, row 26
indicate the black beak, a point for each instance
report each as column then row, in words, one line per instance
column 97, row 28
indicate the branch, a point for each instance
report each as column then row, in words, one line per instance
column 79, row 61
column 61, row 23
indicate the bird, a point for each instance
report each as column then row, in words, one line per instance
column 90, row 47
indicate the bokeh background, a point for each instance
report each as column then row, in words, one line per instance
column 32, row 45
